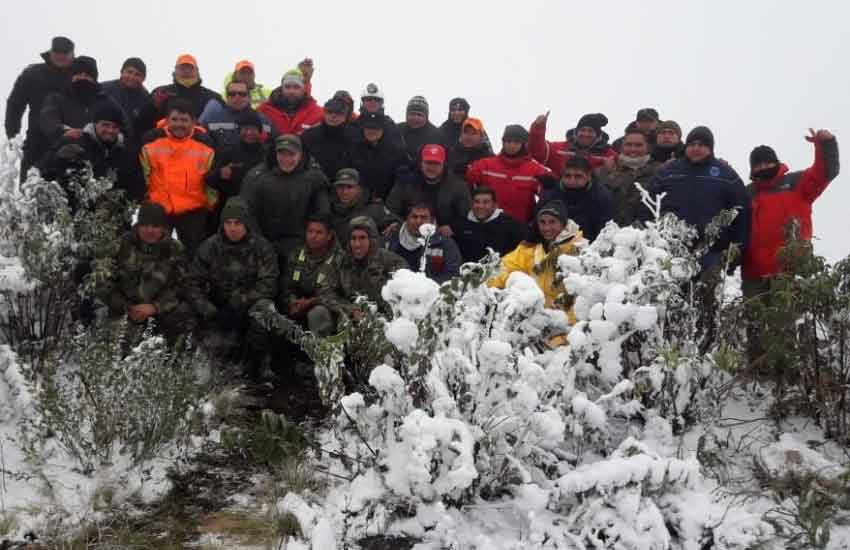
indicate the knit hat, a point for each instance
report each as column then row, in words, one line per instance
column 137, row 64
column 515, row 132
column 365, row 223
column 459, row 104
column 647, row 113
column 249, row 117
column 108, row 111
column 372, row 90
column 669, row 125
column 371, row 120
column 236, row 209
column 151, row 213
column 84, row 64
column 60, row 44
column 293, row 76
column 475, row 124
column 701, row 134
column 347, row 176
column 555, row 208
column 288, row 142
column 593, row 120
column 334, row 105
column 418, row 104
column 763, row 154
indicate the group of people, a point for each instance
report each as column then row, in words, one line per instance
column 280, row 202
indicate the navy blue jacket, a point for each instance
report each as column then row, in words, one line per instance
column 444, row 259
column 591, row 207
column 698, row 192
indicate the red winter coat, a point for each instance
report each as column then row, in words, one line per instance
column 513, row 178
column 554, row 154
column 308, row 115
column 774, row 203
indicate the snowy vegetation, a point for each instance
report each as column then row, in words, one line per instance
column 471, row 422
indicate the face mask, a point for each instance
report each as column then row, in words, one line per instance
column 633, row 162
column 766, row 174
column 84, row 88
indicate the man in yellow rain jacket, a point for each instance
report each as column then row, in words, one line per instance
column 553, row 234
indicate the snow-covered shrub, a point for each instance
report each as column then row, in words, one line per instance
column 98, row 402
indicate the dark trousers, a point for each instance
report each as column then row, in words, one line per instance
column 191, row 228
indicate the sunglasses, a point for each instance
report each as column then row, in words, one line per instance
column 237, row 94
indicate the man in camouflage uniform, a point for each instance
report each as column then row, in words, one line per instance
column 363, row 271
column 150, row 276
column 350, row 200
column 303, row 274
column 235, row 273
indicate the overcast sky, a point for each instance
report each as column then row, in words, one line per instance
column 755, row 72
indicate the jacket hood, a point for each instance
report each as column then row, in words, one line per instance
column 89, row 130
column 774, row 181
column 599, row 145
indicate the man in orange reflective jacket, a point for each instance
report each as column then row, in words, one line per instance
column 175, row 160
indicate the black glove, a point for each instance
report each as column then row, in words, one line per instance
column 70, row 151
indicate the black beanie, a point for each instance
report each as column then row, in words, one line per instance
column 137, row 64
column 593, row 120
column 84, row 64
column 555, row 208
column 515, row 132
column 108, row 111
column 762, row 154
column 701, row 134
column 459, row 104
column 249, row 117
column 151, row 213
column 418, row 104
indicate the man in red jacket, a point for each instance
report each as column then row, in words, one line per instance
column 290, row 108
column 781, row 208
column 586, row 139
column 512, row 174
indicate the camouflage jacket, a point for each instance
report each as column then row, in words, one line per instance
column 303, row 273
column 353, row 278
column 148, row 274
column 620, row 182
column 235, row 275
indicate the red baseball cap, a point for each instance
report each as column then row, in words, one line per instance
column 434, row 153
column 244, row 64
column 187, row 59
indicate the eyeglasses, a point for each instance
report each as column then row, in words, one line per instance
column 237, row 94
column 375, row 99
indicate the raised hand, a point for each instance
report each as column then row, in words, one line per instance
column 820, row 135
column 542, row 119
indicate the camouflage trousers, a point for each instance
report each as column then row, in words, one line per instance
column 175, row 325
column 248, row 336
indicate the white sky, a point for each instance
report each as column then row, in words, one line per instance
column 754, row 71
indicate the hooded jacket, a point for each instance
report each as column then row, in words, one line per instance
column 514, row 179
column 555, row 154
column 235, row 275
column 541, row 264
column 280, row 203
column 591, row 207
column 308, row 114
column 786, row 197
column 342, row 284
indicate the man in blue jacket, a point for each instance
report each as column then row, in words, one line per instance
column 698, row 187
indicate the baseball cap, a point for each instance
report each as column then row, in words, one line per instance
column 434, row 153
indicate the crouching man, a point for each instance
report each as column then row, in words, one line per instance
column 234, row 274
column 363, row 271
column 150, row 276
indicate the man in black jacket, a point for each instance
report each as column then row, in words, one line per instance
column 129, row 92
column 473, row 145
column 100, row 146
column 35, row 83
column 590, row 204
column 372, row 103
column 377, row 159
column 417, row 131
column 187, row 84
column 65, row 115
column 329, row 142
column 453, row 126
column 487, row 226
